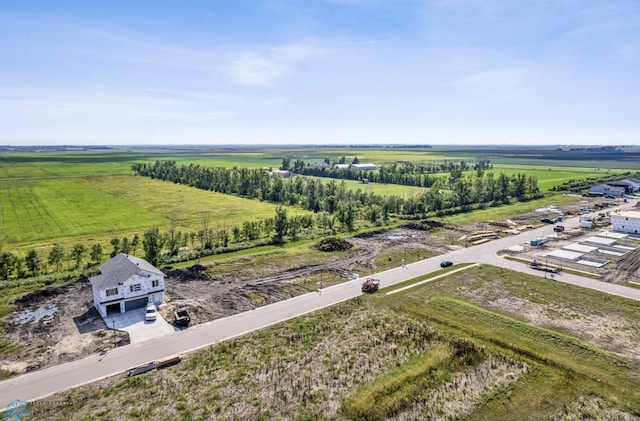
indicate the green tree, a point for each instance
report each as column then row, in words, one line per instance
column 280, row 222
column 33, row 261
column 286, row 163
column 115, row 242
column 7, row 264
column 346, row 215
column 518, row 185
column 20, row 267
column 298, row 166
column 125, row 247
column 96, row 254
column 355, row 160
column 78, row 252
column 236, row 232
column 152, row 242
column 268, row 225
column 56, row 255
column 135, row 243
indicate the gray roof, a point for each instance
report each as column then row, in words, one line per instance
column 607, row 187
column 121, row 268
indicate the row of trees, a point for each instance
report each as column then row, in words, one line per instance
column 459, row 190
column 408, row 173
column 170, row 246
column 33, row 263
column 335, row 208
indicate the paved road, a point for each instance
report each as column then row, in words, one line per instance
column 39, row 384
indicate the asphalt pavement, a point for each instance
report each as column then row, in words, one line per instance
column 39, row 384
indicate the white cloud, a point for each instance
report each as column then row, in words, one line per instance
column 258, row 69
column 255, row 69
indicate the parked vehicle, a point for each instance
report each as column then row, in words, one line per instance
column 539, row 266
column 548, row 221
column 558, row 228
column 370, row 285
column 181, row 317
column 446, row 263
column 150, row 314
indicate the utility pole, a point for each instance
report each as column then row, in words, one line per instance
column 113, row 323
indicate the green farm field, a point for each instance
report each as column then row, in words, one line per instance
column 67, row 164
column 549, row 176
column 48, row 197
column 51, row 210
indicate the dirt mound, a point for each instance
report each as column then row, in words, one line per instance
column 627, row 269
column 424, row 225
column 45, row 295
column 193, row 273
column 333, row 244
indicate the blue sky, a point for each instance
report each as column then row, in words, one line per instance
column 320, row 71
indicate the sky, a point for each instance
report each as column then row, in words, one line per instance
column 122, row 72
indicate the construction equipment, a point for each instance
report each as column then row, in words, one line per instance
column 181, row 317
column 545, row 268
column 370, row 285
column 538, row 241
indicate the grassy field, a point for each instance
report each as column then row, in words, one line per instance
column 36, row 212
column 549, row 176
column 442, row 350
column 53, row 195
column 92, row 196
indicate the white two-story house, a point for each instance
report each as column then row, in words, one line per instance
column 126, row 283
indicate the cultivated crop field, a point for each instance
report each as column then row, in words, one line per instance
column 457, row 348
column 40, row 211
column 70, row 196
column 550, row 176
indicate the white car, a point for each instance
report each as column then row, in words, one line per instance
column 151, row 314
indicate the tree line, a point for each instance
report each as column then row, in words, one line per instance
column 334, row 207
column 408, row 173
column 459, row 190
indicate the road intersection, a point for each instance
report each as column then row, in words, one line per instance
column 42, row 383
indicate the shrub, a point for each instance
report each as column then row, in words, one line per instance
column 333, row 244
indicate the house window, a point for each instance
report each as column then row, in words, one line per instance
column 155, row 283
column 135, row 287
column 112, row 291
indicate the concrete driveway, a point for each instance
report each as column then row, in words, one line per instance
column 139, row 329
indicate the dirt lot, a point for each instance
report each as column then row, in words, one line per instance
column 60, row 323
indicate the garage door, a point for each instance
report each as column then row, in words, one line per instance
column 113, row 308
column 138, row 303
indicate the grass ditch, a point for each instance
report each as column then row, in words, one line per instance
column 412, row 381
column 541, row 344
column 423, row 351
